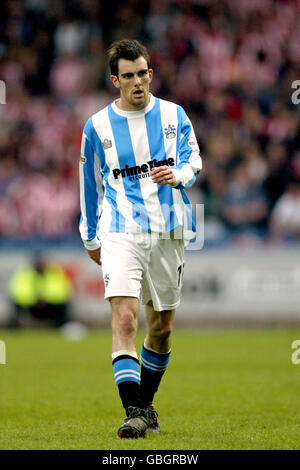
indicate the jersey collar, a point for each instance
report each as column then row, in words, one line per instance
column 140, row 112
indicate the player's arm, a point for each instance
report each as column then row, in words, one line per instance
column 90, row 195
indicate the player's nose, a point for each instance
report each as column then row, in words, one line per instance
column 137, row 80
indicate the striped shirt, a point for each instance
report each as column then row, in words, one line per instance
column 119, row 149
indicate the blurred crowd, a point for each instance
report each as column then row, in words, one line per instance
column 230, row 64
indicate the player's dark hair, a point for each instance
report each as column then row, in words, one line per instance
column 129, row 49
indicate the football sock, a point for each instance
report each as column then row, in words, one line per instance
column 154, row 364
column 127, row 377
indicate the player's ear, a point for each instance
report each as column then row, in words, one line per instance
column 150, row 72
column 115, row 81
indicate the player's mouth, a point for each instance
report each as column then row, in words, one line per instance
column 138, row 93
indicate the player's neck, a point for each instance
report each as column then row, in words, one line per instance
column 124, row 105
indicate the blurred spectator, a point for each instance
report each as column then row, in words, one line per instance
column 278, row 176
column 255, row 163
column 285, row 217
column 245, row 203
column 42, row 291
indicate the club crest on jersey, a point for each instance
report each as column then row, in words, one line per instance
column 107, row 144
column 170, row 131
column 106, row 279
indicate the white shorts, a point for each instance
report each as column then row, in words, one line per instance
column 140, row 265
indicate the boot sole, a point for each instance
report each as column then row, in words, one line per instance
column 130, row 433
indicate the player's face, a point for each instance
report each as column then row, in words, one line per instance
column 133, row 81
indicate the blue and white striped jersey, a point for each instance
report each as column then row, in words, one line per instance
column 119, row 149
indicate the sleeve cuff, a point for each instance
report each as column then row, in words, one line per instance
column 176, row 174
column 184, row 176
column 92, row 244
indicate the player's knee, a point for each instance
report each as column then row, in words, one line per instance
column 127, row 323
column 165, row 332
column 161, row 330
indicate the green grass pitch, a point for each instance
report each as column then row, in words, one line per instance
column 224, row 389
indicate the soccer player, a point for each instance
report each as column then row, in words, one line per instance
column 137, row 156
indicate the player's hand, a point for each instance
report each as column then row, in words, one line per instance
column 95, row 255
column 163, row 175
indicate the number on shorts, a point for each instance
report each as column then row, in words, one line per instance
column 180, row 274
